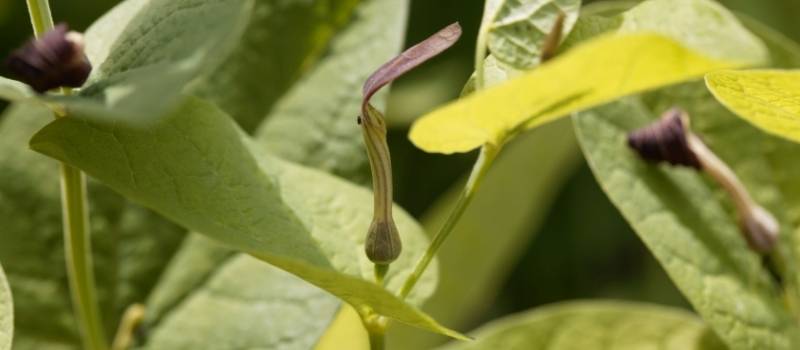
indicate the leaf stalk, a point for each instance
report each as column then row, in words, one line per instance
column 75, row 212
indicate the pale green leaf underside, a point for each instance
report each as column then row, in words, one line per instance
column 6, row 314
column 262, row 308
column 144, row 52
column 519, row 28
column 687, row 223
column 283, row 39
column 12, row 90
column 597, row 325
column 596, row 72
column 512, row 202
column 131, row 244
column 315, row 122
column 205, row 177
column 769, row 99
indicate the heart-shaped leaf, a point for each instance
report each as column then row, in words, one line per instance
column 595, row 325
column 687, row 223
column 596, row 72
column 6, row 313
column 206, row 177
column 242, row 290
column 131, row 244
column 539, row 96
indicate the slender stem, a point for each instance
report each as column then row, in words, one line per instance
column 485, row 159
column 41, row 19
column 131, row 319
column 77, row 244
column 78, row 250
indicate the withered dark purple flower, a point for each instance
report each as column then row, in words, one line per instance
column 670, row 140
column 409, row 59
column 54, row 60
column 665, row 140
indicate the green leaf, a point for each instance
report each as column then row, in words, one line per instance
column 768, row 99
column 267, row 61
column 525, row 179
column 242, row 291
column 595, row 325
column 6, row 313
column 518, row 28
column 131, row 244
column 313, row 124
column 205, row 177
column 701, row 25
column 12, row 90
column 783, row 51
column 687, row 222
column 145, row 51
column 599, row 71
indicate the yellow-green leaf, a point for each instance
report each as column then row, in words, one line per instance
column 768, row 99
column 591, row 74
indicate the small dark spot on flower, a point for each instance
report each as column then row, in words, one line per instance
column 358, row 120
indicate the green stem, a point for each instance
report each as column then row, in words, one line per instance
column 376, row 328
column 78, row 250
column 488, row 154
column 77, row 244
column 41, row 19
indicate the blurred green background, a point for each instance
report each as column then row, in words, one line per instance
column 583, row 248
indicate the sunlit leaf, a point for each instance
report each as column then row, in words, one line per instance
column 595, row 325
column 769, row 99
column 346, row 332
column 591, row 74
column 206, row 177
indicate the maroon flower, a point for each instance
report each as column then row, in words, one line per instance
column 54, row 60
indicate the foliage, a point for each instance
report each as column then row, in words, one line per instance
column 235, row 122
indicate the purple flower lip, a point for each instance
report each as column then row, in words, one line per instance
column 54, row 60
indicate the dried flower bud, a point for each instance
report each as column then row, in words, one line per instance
column 54, row 60
column 670, row 140
column 665, row 140
column 383, row 243
column 553, row 38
